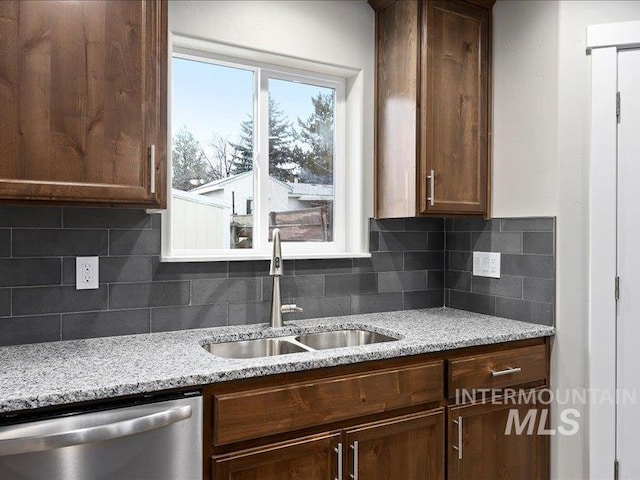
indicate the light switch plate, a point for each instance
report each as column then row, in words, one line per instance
column 87, row 273
column 486, row 264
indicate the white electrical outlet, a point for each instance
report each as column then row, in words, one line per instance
column 87, row 273
column 486, row 264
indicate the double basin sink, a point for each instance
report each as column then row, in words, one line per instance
column 309, row 342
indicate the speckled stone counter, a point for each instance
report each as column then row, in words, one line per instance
column 46, row 374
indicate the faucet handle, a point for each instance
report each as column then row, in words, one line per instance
column 291, row 308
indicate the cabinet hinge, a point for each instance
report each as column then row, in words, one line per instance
column 618, row 107
column 617, row 288
column 616, row 470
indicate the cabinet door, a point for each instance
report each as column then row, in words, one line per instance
column 407, row 448
column 82, row 96
column 455, row 113
column 308, row 458
column 480, row 448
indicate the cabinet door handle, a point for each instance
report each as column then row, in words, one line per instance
column 338, row 451
column 354, row 447
column 152, row 168
column 507, row 371
column 431, row 179
column 458, row 447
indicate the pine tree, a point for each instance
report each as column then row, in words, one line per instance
column 316, row 133
column 190, row 165
column 242, row 156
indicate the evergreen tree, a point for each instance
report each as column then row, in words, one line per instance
column 190, row 165
column 242, row 156
column 316, row 161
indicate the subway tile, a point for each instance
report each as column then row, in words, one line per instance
column 148, row 294
column 458, row 241
column 374, row 241
column 16, row 272
column 298, row 286
column 525, row 311
column 475, row 225
column 251, row 312
column 334, row 265
column 350, row 284
column 533, row 224
column 317, row 307
column 424, row 224
column 377, row 302
column 402, row 241
column 435, row 241
column 379, row 262
column 113, row 269
column 77, row 217
column 460, row 261
column 402, row 281
column 223, row 290
column 134, row 242
column 44, row 300
column 255, row 268
column 190, row 270
column 386, row 225
column 26, row 217
column 424, row 260
column 5, row 302
column 54, row 243
column 166, row 319
column 503, row 242
column 156, row 221
column 539, row 289
column 505, row 286
column 104, row 324
column 457, row 280
column 527, row 265
column 472, row 302
column 5, row 243
column 435, row 279
column 35, row 329
column 448, row 224
column 538, row 242
column 426, row 299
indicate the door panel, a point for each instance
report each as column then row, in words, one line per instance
column 628, row 327
column 407, row 448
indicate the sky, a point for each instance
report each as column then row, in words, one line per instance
column 212, row 98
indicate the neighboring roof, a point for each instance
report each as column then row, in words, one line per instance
column 197, row 198
column 219, row 184
column 311, row 191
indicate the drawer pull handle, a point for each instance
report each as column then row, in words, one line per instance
column 458, row 447
column 354, row 447
column 152, row 168
column 507, row 371
column 432, row 196
column 338, row 451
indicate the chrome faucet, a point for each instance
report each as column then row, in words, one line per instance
column 277, row 309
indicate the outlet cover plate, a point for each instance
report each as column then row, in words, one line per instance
column 486, row 264
column 87, row 273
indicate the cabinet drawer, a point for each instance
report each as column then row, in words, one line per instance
column 257, row 413
column 498, row 370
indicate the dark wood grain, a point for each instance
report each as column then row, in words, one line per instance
column 380, row 4
column 397, row 79
column 455, row 90
column 408, row 448
column 83, row 95
column 474, row 372
column 488, row 453
column 307, row 458
column 248, row 414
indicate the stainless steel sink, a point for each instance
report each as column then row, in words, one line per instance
column 268, row 347
column 342, row 338
column 263, row 347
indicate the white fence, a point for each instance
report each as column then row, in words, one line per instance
column 196, row 222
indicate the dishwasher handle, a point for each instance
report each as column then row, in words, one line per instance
column 99, row 433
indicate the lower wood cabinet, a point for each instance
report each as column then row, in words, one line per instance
column 482, row 447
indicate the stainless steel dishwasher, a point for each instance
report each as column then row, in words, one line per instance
column 150, row 441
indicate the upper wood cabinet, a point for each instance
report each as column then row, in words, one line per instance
column 432, row 108
column 83, row 102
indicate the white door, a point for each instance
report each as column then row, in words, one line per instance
column 628, row 264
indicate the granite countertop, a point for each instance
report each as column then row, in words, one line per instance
column 47, row 374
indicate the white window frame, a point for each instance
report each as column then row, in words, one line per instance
column 183, row 47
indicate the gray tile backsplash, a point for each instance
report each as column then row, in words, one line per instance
column 39, row 302
column 526, row 289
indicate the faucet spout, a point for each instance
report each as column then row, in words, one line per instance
column 275, row 270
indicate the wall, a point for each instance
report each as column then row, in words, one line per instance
column 138, row 294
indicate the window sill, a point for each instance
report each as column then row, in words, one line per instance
column 234, row 258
